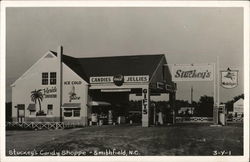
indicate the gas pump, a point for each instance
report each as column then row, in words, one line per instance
column 222, row 114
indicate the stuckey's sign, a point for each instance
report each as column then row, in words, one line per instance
column 119, row 79
column 192, row 72
column 229, row 78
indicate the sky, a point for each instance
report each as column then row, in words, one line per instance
column 186, row 35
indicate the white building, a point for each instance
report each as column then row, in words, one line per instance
column 239, row 106
column 62, row 87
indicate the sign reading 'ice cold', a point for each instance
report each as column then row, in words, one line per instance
column 72, row 82
column 119, row 79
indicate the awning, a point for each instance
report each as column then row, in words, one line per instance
column 71, row 105
column 98, row 103
column 116, row 90
column 32, row 107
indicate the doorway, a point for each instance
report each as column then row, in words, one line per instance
column 121, row 109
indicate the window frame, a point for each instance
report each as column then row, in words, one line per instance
column 49, row 78
column 45, row 80
column 72, row 111
column 52, row 80
column 50, row 109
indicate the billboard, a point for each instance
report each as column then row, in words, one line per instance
column 192, row 72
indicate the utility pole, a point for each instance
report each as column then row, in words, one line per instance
column 192, row 91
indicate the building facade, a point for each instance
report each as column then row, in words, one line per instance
column 238, row 106
column 60, row 88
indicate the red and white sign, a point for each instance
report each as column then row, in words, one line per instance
column 192, row 72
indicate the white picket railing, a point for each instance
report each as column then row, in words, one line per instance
column 35, row 125
column 204, row 119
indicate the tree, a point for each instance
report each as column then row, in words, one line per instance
column 205, row 106
column 195, row 105
column 37, row 95
column 181, row 103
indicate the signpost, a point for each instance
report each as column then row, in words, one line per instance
column 208, row 72
column 198, row 72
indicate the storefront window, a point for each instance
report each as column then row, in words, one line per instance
column 76, row 113
column 67, row 113
column 72, row 112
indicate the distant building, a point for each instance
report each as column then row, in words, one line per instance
column 238, row 106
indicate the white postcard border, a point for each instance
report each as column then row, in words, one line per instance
column 243, row 4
